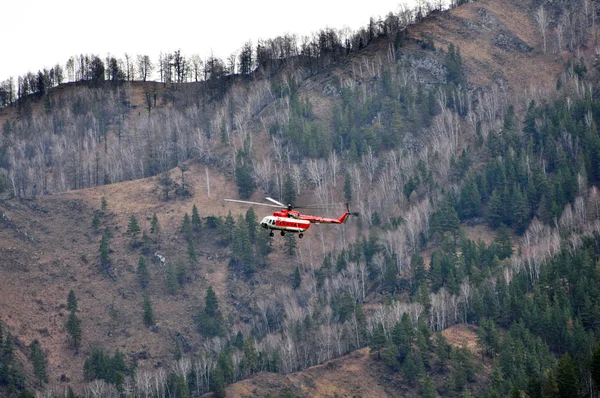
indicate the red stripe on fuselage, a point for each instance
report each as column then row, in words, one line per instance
column 285, row 224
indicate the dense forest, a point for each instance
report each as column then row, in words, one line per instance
column 420, row 152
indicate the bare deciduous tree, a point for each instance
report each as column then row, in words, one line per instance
column 541, row 18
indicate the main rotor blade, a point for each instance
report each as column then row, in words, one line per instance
column 251, row 203
column 321, row 206
column 276, row 202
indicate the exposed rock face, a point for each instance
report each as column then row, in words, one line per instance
column 509, row 42
column 427, row 69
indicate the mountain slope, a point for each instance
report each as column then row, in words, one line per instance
column 48, row 244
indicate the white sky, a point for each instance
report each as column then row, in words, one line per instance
column 41, row 33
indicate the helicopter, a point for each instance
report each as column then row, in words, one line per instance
column 289, row 220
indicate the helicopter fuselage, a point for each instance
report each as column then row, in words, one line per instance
column 288, row 224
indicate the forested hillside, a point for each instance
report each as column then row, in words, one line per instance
column 466, row 139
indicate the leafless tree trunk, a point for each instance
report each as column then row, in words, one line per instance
column 542, row 19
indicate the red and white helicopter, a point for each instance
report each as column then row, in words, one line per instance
column 289, row 220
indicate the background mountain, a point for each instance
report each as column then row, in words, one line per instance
column 466, row 139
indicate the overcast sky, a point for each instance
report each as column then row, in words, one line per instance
column 41, row 33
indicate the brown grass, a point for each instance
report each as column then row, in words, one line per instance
column 350, row 376
column 462, row 335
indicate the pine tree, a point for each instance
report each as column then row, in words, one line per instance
column 143, row 276
column 495, row 209
column 148, row 312
column 186, row 228
column 217, row 384
column 567, row 377
column 181, row 270
column 242, row 253
column 428, row 389
column 549, row 386
column 154, row 225
column 243, row 175
column 8, row 349
column 210, row 319
column 290, row 244
column 96, row 222
column 594, row 366
column 289, row 191
column 347, row 188
column 133, row 228
column 71, row 301
column 196, row 221
column 171, row 279
column 104, row 251
column 73, row 323
column 103, row 203
column 410, row 371
column 74, row 331
column 252, row 222
column 470, row 201
column 488, row 337
column 39, row 361
column 211, row 304
column 521, row 212
column 297, row 278
column 192, row 256
column 250, row 355
column 378, row 340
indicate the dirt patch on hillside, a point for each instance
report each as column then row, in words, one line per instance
column 462, row 335
column 350, row 376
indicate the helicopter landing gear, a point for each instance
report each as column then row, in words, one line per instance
column 300, row 235
column 282, row 233
column 271, row 234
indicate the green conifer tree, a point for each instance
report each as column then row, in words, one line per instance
column 428, row 389
column 347, row 188
column 104, row 251
column 71, row 301
column 594, row 366
column 133, row 228
column 74, row 331
column 289, row 191
column 470, row 201
column 210, row 319
column 192, row 255
column 252, row 223
column 495, row 209
column 96, row 222
column 378, row 340
column 290, row 244
column 171, row 280
column 148, row 312
column 549, row 385
column 196, row 221
column 39, row 361
column 521, row 212
column 143, row 275
column 297, row 278
column 250, row 355
column 182, row 273
column 567, row 377
column 186, row 228
column 155, row 225
column 242, row 253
